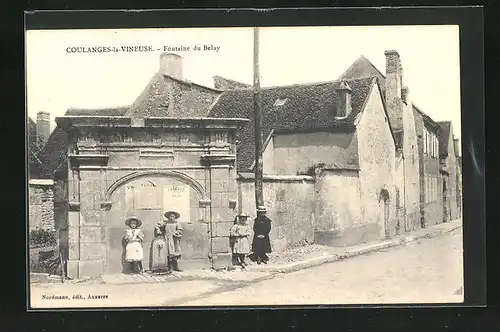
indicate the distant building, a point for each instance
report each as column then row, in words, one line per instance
column 41, row 205
column 450, row 167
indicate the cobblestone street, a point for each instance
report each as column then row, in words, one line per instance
column 429, row 270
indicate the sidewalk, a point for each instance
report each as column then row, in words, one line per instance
column 283, row 262
column 324, row 254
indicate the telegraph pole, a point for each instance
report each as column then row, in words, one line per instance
column 259, row 198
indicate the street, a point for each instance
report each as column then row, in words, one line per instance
column 427, row 271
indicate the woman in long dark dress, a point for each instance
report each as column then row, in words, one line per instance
column 261, row 244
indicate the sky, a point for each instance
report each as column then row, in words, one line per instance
column 58, row 79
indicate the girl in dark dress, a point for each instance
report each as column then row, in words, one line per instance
column 261, row 244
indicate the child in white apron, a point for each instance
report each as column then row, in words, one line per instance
column 240, row 232
column 133, row 251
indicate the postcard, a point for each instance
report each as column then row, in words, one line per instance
column 244, row 166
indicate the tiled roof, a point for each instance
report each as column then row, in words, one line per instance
column 165, row 96
column 444, row 137
column 307, row 107
column 223, row 83
column 54, row 154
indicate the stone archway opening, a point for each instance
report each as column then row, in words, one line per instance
column 148, row 196
column 384, row 204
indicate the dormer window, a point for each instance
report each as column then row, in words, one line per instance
column 344, row 106
column 280, row 102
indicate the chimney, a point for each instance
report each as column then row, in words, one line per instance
column 344, row 106
column 393, row 87
column 42, row 127
column 171, row 65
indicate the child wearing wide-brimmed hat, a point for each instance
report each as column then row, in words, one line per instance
column 171, row 229
column 240, row 233
column 134, row 237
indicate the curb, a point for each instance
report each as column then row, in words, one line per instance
column 293, row 267
column 288, row 268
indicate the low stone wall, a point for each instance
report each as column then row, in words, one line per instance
column 290, row 204
column 41, row 204
column 39, row 254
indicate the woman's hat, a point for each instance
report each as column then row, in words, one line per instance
column 177, row 214
column 243, row 215
column 261, row 209
column 129, row 220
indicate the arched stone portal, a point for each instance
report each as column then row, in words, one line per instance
column 384, row 203
column 148, row 195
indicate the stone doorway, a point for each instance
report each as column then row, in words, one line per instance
column 384, row 204
column 148, row 196
column 445, row 202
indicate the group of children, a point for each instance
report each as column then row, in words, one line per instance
column 166, row 251
column 167, row 240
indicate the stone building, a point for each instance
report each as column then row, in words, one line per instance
column 430, row 145
column 160, row 153
column 399, row 107
column 330, row 147
column 449, row 167
column 431, row 200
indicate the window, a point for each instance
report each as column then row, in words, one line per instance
column 437, row 147
column 425, row 141
column 432, row 145
column 426, row 180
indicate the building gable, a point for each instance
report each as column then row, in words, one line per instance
column 374, row 122
column 362, row 67
column 445, row 137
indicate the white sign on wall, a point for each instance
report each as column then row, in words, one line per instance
column 176, row 197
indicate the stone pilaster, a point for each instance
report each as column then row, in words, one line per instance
column 223, row 194
column 86, row 235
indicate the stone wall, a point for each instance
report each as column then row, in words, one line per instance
column 431, row 213
column 41, row 204
column 290, row 204
column 320, row 147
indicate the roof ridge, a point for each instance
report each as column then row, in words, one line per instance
column 97, row 108
column 187, row 82
column 313, row 83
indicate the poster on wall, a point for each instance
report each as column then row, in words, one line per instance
column 176, row 197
